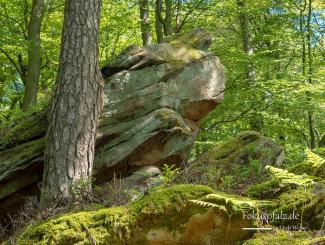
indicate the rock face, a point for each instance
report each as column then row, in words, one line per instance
column 182, row 214
column 153, row 98
column 152, row 104
column 123, row 190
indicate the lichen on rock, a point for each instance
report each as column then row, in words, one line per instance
column 313, row 165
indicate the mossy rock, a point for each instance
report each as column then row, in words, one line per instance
column 313, row 165
column 235, row 164
column 166, row 216
column 309, row 206
column 291, row 193
column 20, row 131
column 280, row 180
column 282, row 237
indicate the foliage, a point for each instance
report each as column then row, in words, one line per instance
column 287, row 91
column 169, row 173
column 313, row 165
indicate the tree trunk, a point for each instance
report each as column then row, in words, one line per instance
column 178, row 16
column 311, row 123
column 158, row 22
column 256, row 119
column 168, row 27
column 76, row 104
column 145, row 23
column 244, row 27
column 34, row 54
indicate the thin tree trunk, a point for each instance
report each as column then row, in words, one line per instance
column 34, row 54
column 311, row 122
column 76, row 104
column 145, row 23
column 244, row 27
column 256, row 119
column 178, row 15
column 158, row 21
column 168, row 27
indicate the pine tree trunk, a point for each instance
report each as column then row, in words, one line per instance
column 145, row 24
column 76, row 103
column 34, row 54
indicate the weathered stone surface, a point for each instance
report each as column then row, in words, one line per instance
column 121, row 190
column 183, row 214
column 153, row 98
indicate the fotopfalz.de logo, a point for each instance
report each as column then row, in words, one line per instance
column 266, row 218
column 269, row 217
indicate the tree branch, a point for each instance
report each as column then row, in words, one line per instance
column 12, row 61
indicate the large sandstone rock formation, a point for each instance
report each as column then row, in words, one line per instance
column 153, row 98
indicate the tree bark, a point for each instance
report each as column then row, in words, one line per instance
column 158, row 22
column 244, row 28
column 34, row 54
column 178, row 15
column 145, row 23
column 256, row 119
column 313, row 143
column 76, row 104
column 168, row 27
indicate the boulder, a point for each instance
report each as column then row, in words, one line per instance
column 121, row 190
column 154, row 97
column 182, row 214
column 235, row 164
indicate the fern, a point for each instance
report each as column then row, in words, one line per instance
column 209, row 205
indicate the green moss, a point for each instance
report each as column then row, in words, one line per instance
column 20, row 131
column 194, row 39
column 116, row 224
column 280, row 182
column 236, row 164
column 313, row 165
column 225, row 149
column 13, row 160
column 267, row 189
column 310, row 207
column 321, row 151
column 281, row 237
